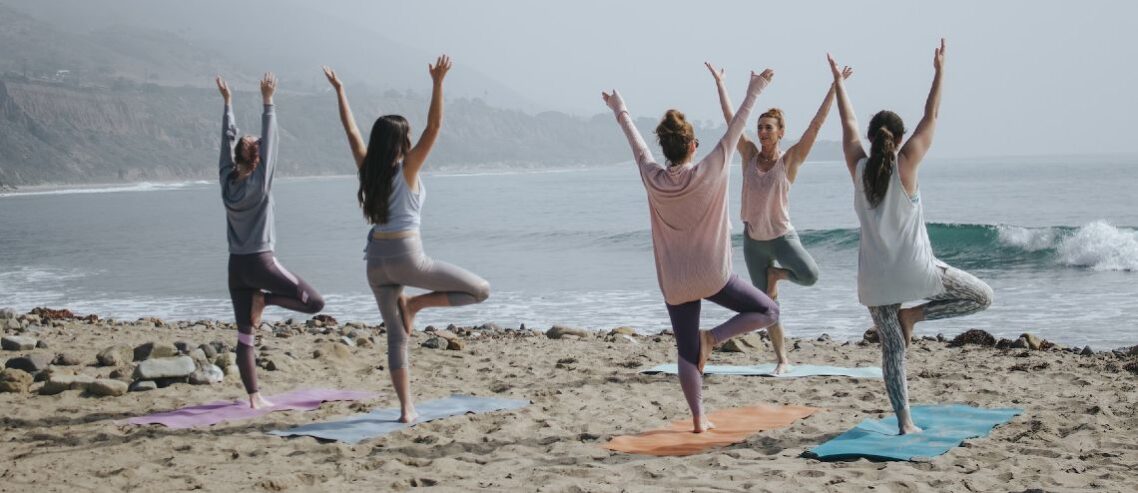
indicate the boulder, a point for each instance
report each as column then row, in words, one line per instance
column 105, row 387
column 559, row 331
column 152, row 350
column 117, row 355
column 18, row 343
column 159, row 368
column 206, row 375
column 32, row 362
column 62, row 383
column 13, row 380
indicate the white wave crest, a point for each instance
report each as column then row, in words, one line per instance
column 1030, row 239
column 1101, row 247
column 144, row 186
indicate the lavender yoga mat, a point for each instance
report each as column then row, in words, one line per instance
column 217, row 412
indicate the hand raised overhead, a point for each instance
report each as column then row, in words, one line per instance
column 938, row 57
column 614, row 101
column 718, row 74
column 223, row 88
column 268, row 86
column 332, row 77
column 440, row 68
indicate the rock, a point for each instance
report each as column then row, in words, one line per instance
column 347, row 341
column 973, row 336
column 623, row 330
column 225, row 359
column 490, row 326
column 941, row 338
column 206, row 375
column 824, row 338
column 870, row 335
column 435, row 343
column 209, row 351
column 7, row 314
column 18, row 343
column 1033, row 341
column 17, row 381
column 105, row 387
column 183, row 347
column 156, row 368
column 1004, row 343
column 125, row 374
column 13, row 324
column 743, row 344
column 143, row 386
column 117, row 355
column 62, row 383
column 221, row 346
column 32, row 362
column 41, row 344
column 66, row 359
column 232, row 370
column 199, row 357
column 327, row 320
column 332, row 351
column 446, row 334
column 272, row 365
column 1020, row 343
column 1087, row 351
column 559, row 331
column 363, row 342
column 455, row 344
column 152, row 350
column 802, row 345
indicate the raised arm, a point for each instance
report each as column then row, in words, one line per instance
column 911, row 154
column 228, row 129
column 268, row 128
column 722, row 152
column 640, row 152
column 851, row 144
column 415, row 158
column 798, row 152
column 746, row 147
column 355, row 141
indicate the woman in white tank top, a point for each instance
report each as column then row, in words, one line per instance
column 895, row 259
column 768, row 174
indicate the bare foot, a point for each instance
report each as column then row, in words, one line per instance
column 706, row 344
column 409, row 415
column 257, row 308
column 910, row 428
column 774, row 275
column 781, row 368
column 258, row 402
column 908, row 318
column 407, row 316
column 700, row 425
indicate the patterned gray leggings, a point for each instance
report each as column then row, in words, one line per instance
column 963, row 294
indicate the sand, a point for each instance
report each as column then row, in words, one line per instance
column 1077, row 432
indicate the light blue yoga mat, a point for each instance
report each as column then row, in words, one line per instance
column 383, row 421
column 945, row 426
column 795, row 371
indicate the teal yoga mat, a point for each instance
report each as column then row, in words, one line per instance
column 945, row 426
column 796, row 371
column 383, row 421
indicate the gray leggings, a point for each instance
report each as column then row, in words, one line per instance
column 963, row 294
column 787, row 250
column 393, row 264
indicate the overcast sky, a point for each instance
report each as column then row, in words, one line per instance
column 1022, row 77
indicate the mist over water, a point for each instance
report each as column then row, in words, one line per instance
column 574, row 247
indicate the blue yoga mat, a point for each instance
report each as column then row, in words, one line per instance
column 945, row 426
column 383, row 421
column 795, row 371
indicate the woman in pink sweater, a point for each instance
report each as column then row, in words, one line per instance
column 691, row 237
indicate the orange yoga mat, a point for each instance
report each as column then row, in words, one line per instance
column 731, row 426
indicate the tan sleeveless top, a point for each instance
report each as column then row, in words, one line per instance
column 766, row 200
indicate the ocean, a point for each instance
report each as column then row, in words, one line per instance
column 1055, row 237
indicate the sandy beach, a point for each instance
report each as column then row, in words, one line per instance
column 1076, row 432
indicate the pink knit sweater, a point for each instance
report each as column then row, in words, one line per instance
column 691, row 234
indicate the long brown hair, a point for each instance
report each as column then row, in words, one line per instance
column 884, row 130
column 675, row 134
column 390, row 140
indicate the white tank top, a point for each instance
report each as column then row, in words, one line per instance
column 404, row 207
column 895, row 259
column 766, row 204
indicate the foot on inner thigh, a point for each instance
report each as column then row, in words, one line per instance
column 257, row 308
column 706, row 344
column 908, row 318
column 407, row 316
column 258, row 402
column 774, row 275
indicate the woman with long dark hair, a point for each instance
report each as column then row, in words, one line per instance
column 768, row 173
column 895, row 259
column 391, row 194
column 691, row 237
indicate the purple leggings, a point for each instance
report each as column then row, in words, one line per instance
column 255, row 272
column 756, row 311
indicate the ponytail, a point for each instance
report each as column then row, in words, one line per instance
column 884, row 129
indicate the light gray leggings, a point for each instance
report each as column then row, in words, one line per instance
column 787, row 250
column 963, row 294
column 393, row 264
